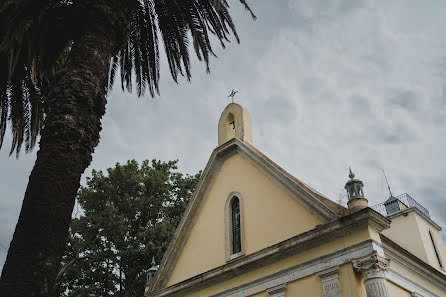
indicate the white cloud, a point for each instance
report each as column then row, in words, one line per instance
column 328, row 84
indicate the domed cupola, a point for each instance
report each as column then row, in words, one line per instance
column 356, row 199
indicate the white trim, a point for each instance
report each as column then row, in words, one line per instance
column 408, row 285
column 299, row 243
column 277, row 291
column 406, row 211
column 402, row 259
column 300, row 271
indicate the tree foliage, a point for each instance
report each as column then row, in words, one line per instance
column 37, row 36
column 128, row 216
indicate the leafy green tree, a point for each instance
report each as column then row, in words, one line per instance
column 58, row 59
column 129, row 216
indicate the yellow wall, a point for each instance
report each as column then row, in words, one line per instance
column 412, row 242
column 396, row 291
column 350, row 282
column 352, row 288
column 415, row 277
column 308, row 286
column 425, row 227
column 418, row 241
column 270, row 216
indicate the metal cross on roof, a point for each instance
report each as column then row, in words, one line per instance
column 232, row 95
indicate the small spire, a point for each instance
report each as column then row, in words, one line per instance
column 152, row 270
column 351, row 175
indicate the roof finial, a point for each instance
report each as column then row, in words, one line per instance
column 351, row 175
column 388, row 187
column 356, row 199
column 152, row 270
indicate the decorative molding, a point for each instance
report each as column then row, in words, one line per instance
column 329, row 273
column 262, row 284
column 373, row 268
column 409, row 285
column 302, row 242
column 330, row 281
column 405, row 258
column 277, row 291
column 406, row 211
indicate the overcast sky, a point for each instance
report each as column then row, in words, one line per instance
column 328, row 84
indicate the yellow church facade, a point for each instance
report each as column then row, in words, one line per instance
column 252, row 229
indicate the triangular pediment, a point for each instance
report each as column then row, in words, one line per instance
column 273, row 202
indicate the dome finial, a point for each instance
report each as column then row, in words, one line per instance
column 152, row 270
column 150, row 274
column 351, row 175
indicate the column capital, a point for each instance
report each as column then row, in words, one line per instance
column 372, row 265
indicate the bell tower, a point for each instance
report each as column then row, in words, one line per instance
column 235, row 122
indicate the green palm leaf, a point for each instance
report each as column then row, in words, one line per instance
column 36, row 37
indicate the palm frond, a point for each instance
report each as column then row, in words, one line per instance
column 176, row 22
column 44, row 31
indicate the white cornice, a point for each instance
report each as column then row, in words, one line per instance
column 398, row 254
column 302, row 242
column 298, row 271
column 406, row 211
column 408, row 284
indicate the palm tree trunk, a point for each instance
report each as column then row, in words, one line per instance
column 71, row 132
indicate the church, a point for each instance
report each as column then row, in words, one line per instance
column 252, row 229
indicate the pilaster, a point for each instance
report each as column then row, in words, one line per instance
column 330, row 282
column 373, row 268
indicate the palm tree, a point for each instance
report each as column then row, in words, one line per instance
column 58, row 59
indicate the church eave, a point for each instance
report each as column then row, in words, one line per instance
column 299, row 243
column 397, row 253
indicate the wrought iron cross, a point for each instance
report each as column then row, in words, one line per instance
column 232, row 95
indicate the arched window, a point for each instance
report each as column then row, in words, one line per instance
column 236, row 231
column 234, row 227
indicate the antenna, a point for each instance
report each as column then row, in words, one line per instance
column 388, row 187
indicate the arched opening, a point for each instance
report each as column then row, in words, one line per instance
column 230, row 126
column 234, row 233
column 236, row 227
